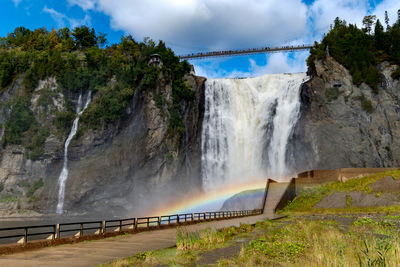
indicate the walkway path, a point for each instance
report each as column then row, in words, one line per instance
column 274, row 195
column 102, row 251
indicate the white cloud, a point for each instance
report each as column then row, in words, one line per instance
column 57, row 16
column 391, row 6
column 84, row 4
column 203, row 25
column 322, row 13
column 16, row 2
column 208, row 24
column 62, row 20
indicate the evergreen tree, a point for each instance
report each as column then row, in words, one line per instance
column 379, row 36
column 84, row 37
column 386, row 19
column 368, row 22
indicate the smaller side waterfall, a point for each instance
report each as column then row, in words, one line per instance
column 62, row 179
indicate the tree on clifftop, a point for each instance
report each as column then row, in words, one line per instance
column 368, row 21
column 84, row 37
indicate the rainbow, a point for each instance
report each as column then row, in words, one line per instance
column 207, row 201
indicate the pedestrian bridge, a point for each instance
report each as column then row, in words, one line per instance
column 246, row 51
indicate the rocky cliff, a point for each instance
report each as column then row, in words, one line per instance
column 127, row 166
column 344, row 125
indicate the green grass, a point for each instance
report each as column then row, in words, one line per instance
column 311, row 196
column 9, row 199
column 294, row 242
column 189, row 247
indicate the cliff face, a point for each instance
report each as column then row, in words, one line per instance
column 344, row 125
column 128, row 166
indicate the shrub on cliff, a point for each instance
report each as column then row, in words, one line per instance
column 79, row 63
column 20, row 121
column 360, row 50
column 396, row 74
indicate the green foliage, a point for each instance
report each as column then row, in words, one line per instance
column 396, row 74
column 332, row 93
column 364, row 221
column 37, row 136
column 9, row 198
column 110, row 105
column 20, row 121
column 7, row 67
column 63, row 120
column 84, row 37
column 284, row 250
column 377, row 259
column 77, row 61
column 207, row 238
column 359, row 50
column 38, row 184
column 309, row 197
column 366, row 104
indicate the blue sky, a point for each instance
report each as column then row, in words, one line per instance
column 202, row 25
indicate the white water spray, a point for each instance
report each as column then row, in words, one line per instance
column 246, row 128
column 62, row 179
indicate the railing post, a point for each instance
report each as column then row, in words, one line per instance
column 81, row 230
column 58, row 231
column 159, row 221
column 25, row 235
column 136, row 223
column 54, row 232
column 103, row 227
column 177, row 218
column 120, row 225
column 192, row 217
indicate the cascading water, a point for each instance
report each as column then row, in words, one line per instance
column 246, row 128
column 62, row 179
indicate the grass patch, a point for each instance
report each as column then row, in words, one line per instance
column 289, row 242
column 38, row 184
column 320, row 243
column 9, row 199
column 208, row 238
column 366, row 104
column 189, row 247
column 332, row 93
column 309, row 197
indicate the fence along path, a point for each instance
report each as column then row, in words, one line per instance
column 55, row 232
column 109, row 249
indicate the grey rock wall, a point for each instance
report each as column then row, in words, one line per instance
column 335, row 131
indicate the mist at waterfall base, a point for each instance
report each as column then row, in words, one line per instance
column 246, row 129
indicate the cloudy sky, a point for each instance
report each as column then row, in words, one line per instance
column 202, row 25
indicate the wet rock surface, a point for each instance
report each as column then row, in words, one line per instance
column 335, row 131
column 130, row 165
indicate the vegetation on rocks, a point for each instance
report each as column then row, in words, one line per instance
column 80, row 62
column 309, row 197
column 293, row 241
column 360, row 50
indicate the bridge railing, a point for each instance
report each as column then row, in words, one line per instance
column 26, row 234
column 245, row 51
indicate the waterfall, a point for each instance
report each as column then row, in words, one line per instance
column 62, row 179
column 246, row 128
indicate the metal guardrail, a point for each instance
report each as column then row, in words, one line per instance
column 23, row 234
